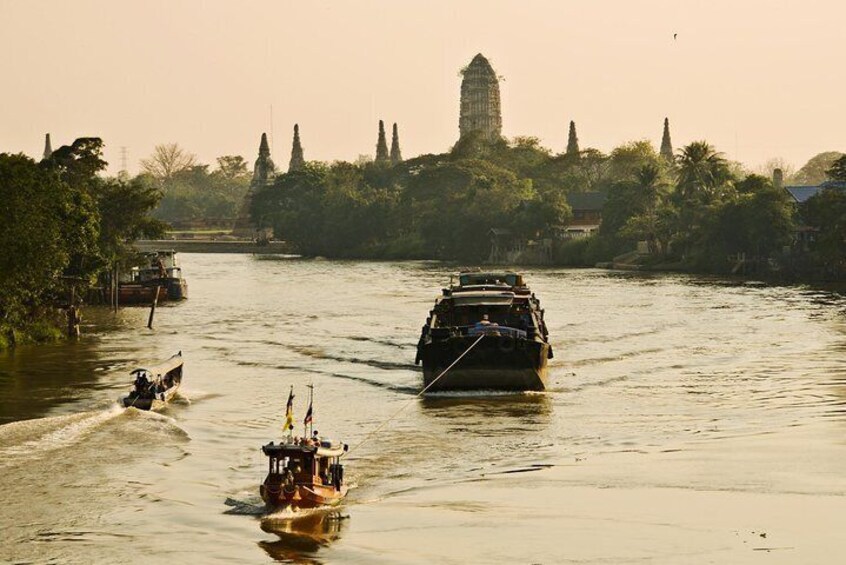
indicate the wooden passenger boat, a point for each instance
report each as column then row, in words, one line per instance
column 137, row 293
column 304, row 473
column 155, row 386
column 160, row 271
column 513, row 353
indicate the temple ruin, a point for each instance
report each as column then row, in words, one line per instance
column 480, row 104
column 396, row 154
column 297, row 157
column 666, row 144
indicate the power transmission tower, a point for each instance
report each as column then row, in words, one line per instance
column 123, row 159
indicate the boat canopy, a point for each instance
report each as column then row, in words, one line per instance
column 483, row 298
column 509, row 278
column 164, row 368
column 326, row 449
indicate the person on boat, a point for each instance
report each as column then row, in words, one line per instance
column 141, row 383
column 484, row 322
column 315, row 438
column 161, row 267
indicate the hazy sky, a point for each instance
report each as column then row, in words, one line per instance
column 758, row 79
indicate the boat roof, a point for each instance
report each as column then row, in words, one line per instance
column 164, row 367
column 288, row 449
column 470, row 278
column 483, row 298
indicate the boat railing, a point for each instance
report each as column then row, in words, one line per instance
column 494, row 330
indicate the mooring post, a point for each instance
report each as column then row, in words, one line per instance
column 117, row 287
column 73, row 314
column 153, row 308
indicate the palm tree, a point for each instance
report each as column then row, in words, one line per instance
column 701, row 170
column 648, row 187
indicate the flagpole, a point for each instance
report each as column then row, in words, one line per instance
column 311, row 407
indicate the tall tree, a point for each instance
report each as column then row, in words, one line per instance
column 167, row 160
column 815, row 171
column 701, row 170
column 232, row 167
column 837, row 171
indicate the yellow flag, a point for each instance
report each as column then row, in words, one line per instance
column 289, row 412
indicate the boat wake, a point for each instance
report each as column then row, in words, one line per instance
column 28, row 439
column 253, row 506
column 48, row 434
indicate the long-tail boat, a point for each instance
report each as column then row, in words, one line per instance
column 155, row 386
column 499, row 308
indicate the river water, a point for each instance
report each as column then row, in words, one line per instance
column 687, row 420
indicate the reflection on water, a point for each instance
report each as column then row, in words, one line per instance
column 676, row 381
column 301, row 536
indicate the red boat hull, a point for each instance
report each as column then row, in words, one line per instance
column 278, row 495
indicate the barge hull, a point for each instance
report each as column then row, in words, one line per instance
column 496, row 363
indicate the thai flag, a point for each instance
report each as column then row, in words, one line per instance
column 308, row 416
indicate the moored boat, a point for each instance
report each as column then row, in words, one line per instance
column 497, row 310
column 160, row 271
column 155, row 386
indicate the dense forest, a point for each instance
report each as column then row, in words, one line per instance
column 696, row 211
column 62, row 225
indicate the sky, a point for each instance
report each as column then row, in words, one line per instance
column 757, row 78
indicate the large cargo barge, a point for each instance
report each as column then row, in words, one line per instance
column 513, row 351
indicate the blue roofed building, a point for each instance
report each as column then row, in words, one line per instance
column 800, row 194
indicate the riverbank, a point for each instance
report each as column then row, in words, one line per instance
column 215, row 246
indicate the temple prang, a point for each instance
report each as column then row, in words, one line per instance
column 396, row 153
column 572, row 141
column 264, row 173
column 382, row 154
column 297, row 159
column 666, row 144
column 480, row 100
column 264, row 169
column 48, row 147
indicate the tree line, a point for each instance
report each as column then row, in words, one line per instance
column 697, row 211
column 63, row 224
column 195, row 195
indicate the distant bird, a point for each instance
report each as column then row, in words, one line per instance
column 675, row 35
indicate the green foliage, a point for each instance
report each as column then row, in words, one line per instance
column 194, row 196
column 60, row 219
column 837, row 171
column 457, row 203
column 815, row 171
column 827, row 213
column 756, row 219
column 35, row 251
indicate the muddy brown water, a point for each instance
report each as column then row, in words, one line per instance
column 685, row 417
